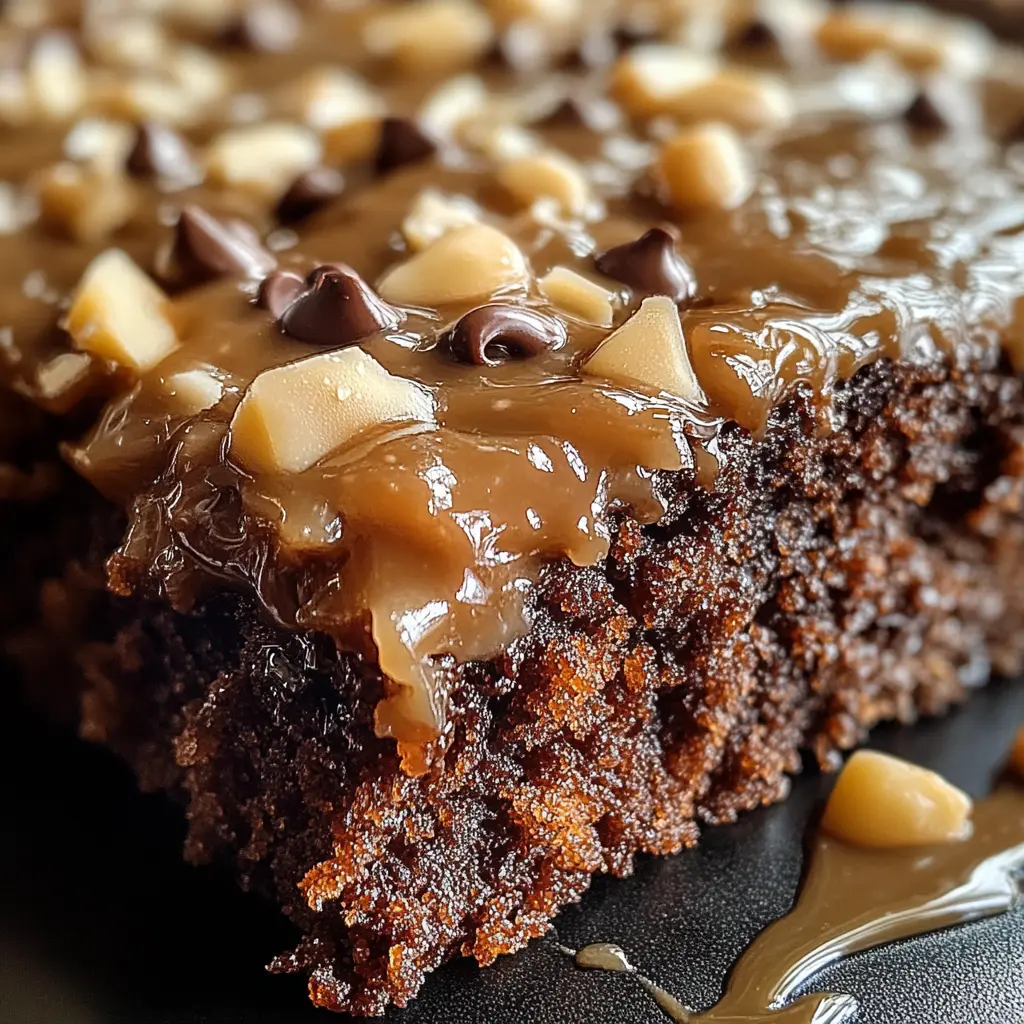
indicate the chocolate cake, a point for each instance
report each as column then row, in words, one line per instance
column 499, row 439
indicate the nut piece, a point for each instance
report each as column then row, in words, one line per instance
column 326, row 97
column 578, row 296
column 102, row 144
column 467, row 264
column 55, row 77
column 434, row 214
column 353, row 141
column 452, row 104
column 430, row 36
column 880, row 801
column 705, row 168
column 919, row 39
column 547, row 175
column 650, row 78
column 292, row 416
column 747, row 100
column 266, row 158
column 203, row 77
column 119, row 313
column 194, row 391
column 82, row 204
column 649, row 349
column 548, row 12
column 58, row 377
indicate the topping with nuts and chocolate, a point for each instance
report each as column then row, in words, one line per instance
column 657, row 438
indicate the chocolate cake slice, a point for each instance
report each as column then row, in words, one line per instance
column 501, row 440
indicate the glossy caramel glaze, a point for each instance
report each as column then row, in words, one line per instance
column 864, row 234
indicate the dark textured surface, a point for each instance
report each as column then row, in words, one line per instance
column 182, row 944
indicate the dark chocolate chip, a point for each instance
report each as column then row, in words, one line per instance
column 497, row 332
column 205, row 247
column 308, row 192
column 401, row 142
column 159, row 152
column 264, row 27
column 650, row 266
column 1015, row 133
column 278, row 290
column 337, row 308
column 758, row 33
column 941, row 104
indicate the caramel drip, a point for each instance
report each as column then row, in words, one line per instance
column 853, row 900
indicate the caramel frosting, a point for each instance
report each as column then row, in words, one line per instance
column 385, row 306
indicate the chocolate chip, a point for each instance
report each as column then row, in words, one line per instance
column 159, row 152
column 497, row 332
column 278, row 290
column 650, row 266
column 758, row 33
column 941, row 104
column 401, row 142
column 308, row 192
column 337, row 308
column 264, row 27
column 205, row 247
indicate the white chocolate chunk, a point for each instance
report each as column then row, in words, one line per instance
column 649, row 349
column 464, row 265
column 82, row 204
column 263, row 157
column 194, row 391
column 55, row 77
column 326, row 97
column 293, row 416
column 547, row 176
column 119, row 313
column 747, row 100
column 705, row 167
column 649, row 78
column 578, row 296
column 430, row 36
column 434, row 214
column 880, row 801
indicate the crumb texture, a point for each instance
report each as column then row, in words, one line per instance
column 827, row 583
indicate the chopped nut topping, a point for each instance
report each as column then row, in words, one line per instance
column 101, row 144
column 747, row 100
column 326, row 97
column 119, row 313
column 60, row 378
column 578, row 296
column 55, row 77
column 352, row 142
column 430, row 36
column 466, row 264
column 83, row 204
column 194, row 391
column 648, row 349
column 434, row 214
column 294, row 415
column 452, row 104
column 881, row 801
column 650, row 78
column 705, row 167
column 264, row 157
column 548, row 175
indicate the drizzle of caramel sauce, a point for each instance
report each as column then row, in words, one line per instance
column 851, row 900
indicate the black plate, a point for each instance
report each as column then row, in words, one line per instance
column 100, row 921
